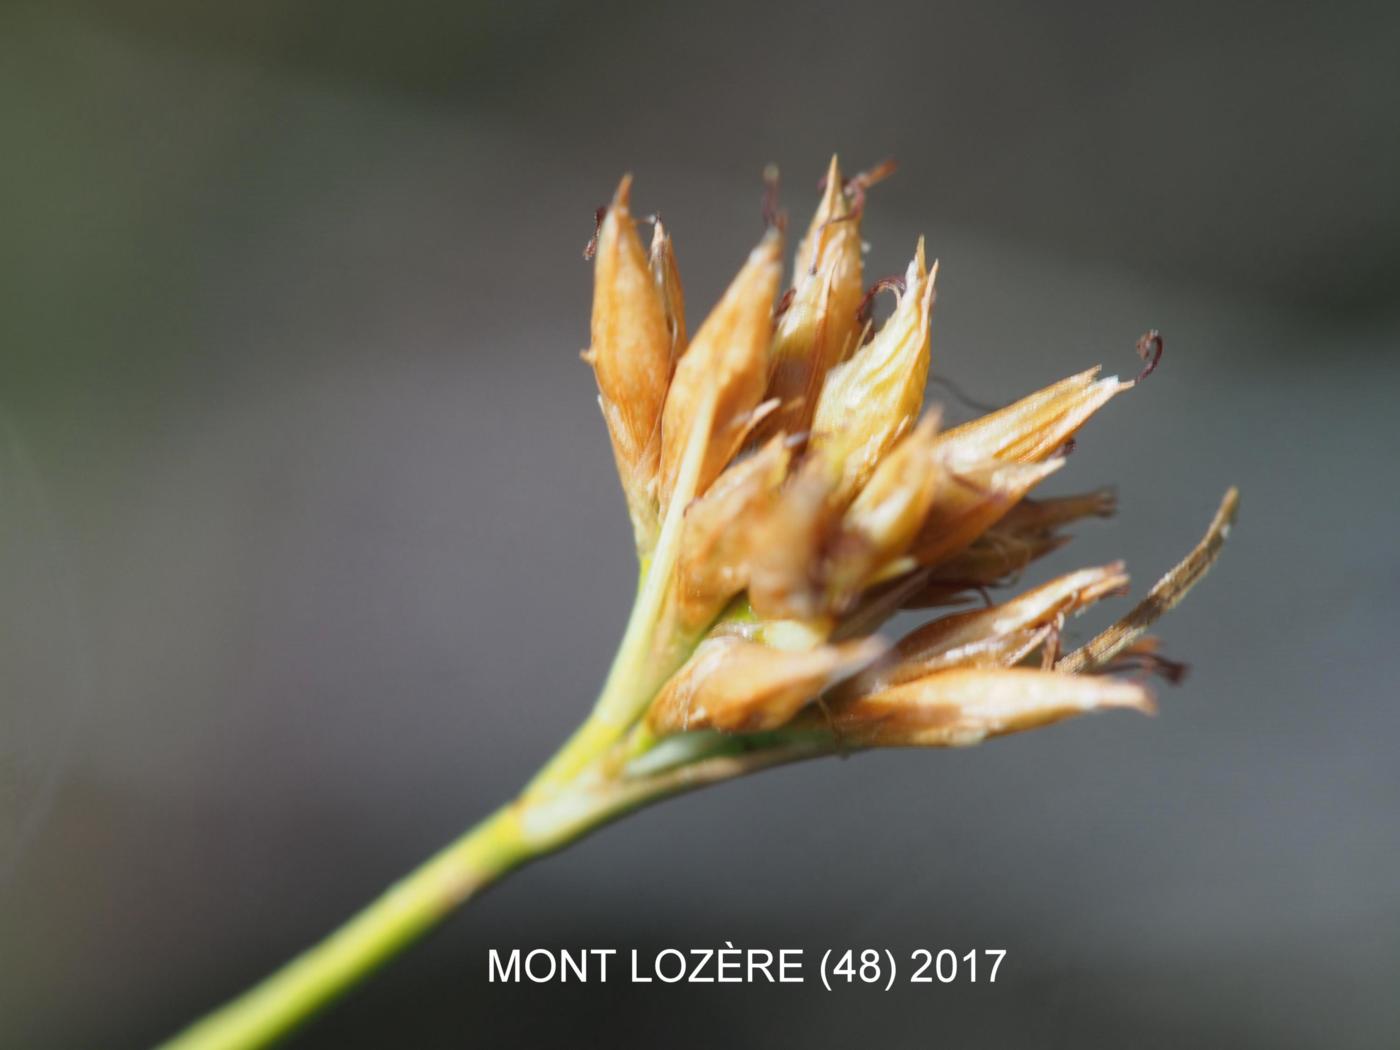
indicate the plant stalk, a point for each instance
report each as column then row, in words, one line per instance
column 512, row 836
column 403, row 913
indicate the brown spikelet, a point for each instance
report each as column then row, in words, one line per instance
column 868, row 401
column 728, row 353
column 887, row 513
column 1037, row 426
column 790, row 544
column 737, row 685
column 720, row 533
column 892, row 505
column 630, row 355
column 1024, row 534
column 996, row 636
column 974, row 498
column 961, row 707
column 820, row 325
column 994, row 560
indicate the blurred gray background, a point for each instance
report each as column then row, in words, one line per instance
column 310, row 548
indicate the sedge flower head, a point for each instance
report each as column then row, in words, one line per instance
column 790, row 492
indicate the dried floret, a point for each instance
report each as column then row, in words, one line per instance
column 728, row 359
column 631, row 355
column 868, row 401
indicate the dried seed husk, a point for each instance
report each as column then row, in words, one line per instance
column 995, row 636
column 793, row 541
column 720, row 533
column 994, row 560
column 736, row 685
column 961, row 707
column 887, row 512
column 631, row 357
column 868, row 401
column 730, row 352
column 819, row 326
column 1037, row 426
column 974, row 497
column 891, row 505
column 1100, row 650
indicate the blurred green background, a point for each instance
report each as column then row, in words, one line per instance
column 310, row 549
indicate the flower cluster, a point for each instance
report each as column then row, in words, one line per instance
column 787, row 498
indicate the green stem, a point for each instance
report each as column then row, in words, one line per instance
column 641, row 664
column 402, row 914
column 514, row 835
